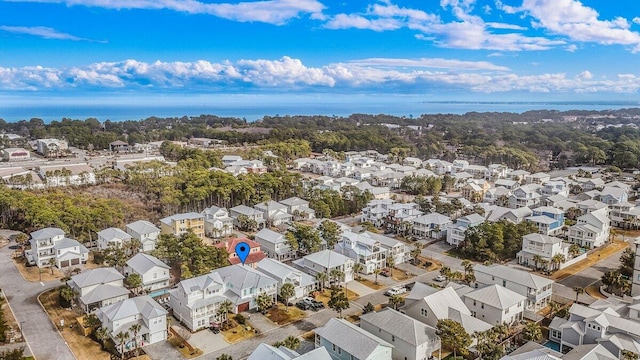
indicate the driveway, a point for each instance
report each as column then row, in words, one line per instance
column 359, row 288
column 207, row 341
column 42, row 336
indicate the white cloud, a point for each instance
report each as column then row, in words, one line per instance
column 574, row 20
column 344, row 21
column 43, row 32
column 636, row 20
column 268, row 11
column 291, row 75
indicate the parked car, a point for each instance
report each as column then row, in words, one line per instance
column 440, row 278
column 396, row 290
column 314, row 302
column 385, row 272
column 303, row 305
column 410, row 286
column 309, row 304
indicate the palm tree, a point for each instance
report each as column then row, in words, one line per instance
column 122, row 338
column 470, row 278
column 224, row 357
column 336, row 275
column 291, row 342
column 321, row 277
column 135, row 329
column 357, row 268
column 532, row 331
column 102, row 334
column 543, row 263
column 446, row 272
column 578, row 290
column 536, row 260
column 574, row 250
column 558, row 259
column 391, row 262
column 629, row 355
column 67, row 294
column 287, row 291
column 415, row 252
column 376, row 272
column 395, row 300
column 224, row 309
column 457, row 276
column 467, row 265
column 52, row 263
column 264, row 301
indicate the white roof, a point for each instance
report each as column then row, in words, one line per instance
column 114, row 233
column 96, row 276
column 433, row 218
column 143, row 227
column 141, row 263
column 524, row 278
column 142, row 305
column 542, row 238
column 496, row 296
column 327, row 258
column 46, row 233
column 402, row 326
column 270, row 236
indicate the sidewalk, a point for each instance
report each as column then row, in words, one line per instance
column 593, row 258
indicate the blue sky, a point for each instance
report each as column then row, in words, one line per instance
column 445, row 50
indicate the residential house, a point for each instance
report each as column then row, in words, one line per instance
column 431, row 225
column 525, row 196
column 498, row 213
column 518, row 175
column 180, row 224
column 299, row 208
column 411, row 339
column 412, row 161
column 217, row 222
column 551, row 188
column 509, row 184
column 592, row 229
column 456, row 231
column 153, row 272
column 112, row 237
column 49, row 246
column 145, row 232
column 400, row 216
column 593, row 184
column 613, row 195
column 303, row 283
column 499, row 196
column 268, row 352
column 376, row 212
column 143, row 311
column 473, row 192
column 243, row 284
column 274, row 245
column 346, row 341
column 459, row 166
column 537, row 178
column 543, row 247
column 326, row 261
column 624, row 215
column 495, row 304
column 441, row 304
column 439, row 167
column 251, row 214
column 612, row 323
column 536, row 351
column 363, row 250
column 98, row 287
column 255, row 254
column 535, row 288
column 51, row 147
column 590, row 205
column 228, row 159
column 395, row 249
column 195, row 301
column 549, row 220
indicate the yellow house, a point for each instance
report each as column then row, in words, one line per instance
column 179, row 224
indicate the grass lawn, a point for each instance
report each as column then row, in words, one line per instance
column 238, row 333
column 31, row 273
column 399, row 275
column 326, row 295
column 434, row 264
column 309, row 336
column 184, row 350
column 593, row 258
column 370, row 284
column 280, row 316
column 83, row 347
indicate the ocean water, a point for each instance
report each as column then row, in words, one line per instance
column 255, row 110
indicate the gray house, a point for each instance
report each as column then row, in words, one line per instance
column 345, row 341
column 274, row 245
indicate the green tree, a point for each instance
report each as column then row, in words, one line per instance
column 224, row 309
column 67, row 294
column 52, row 263
column 321, row 278
column 287, row 291
column 395, row 301
column 376, row 272
column 290, row 342
column 102, row 335
column 357, row 268
column 579, row 291
column 135, row 329
column 304, row 238
column 330, row 232
column 629, row 355
column 368, row 308
column 338, row 301
column 134, row 281
column 415, row 253
column 224, row 357
column 14, row 354
column 453, row 336
column 532, row 331
column 189, row 254
column 557, row 260
column 122, row 338
column 264, row 301
column 336, row 276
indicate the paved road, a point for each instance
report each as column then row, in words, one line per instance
column 592, row 275
column 43, row 338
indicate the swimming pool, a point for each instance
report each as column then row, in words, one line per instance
column 552, row 345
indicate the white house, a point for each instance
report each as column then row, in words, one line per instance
column 395, row 249
column 275, row 213
column 635, row 286
column 411, row 339
column 303, row 283
column 243, row 284
column 326, row 261
column 545, row 247
column 346, row 341
column 112, row 237
column 495, row 304
column 274, row 245
column 98, row 287
column 145, row 232
column 299, row 208
column 456, row 232
column 50, row 243
column 195, row 301
column 70, row 252
column 525, row 196
column 431, row 225
column 251, row 213
column 143, row 311
column 535, row 288
column 362, row 249
column 592, row 229
column 153, row 272
column 217, row 222
column 268, row 352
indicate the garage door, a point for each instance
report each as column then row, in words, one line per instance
column 243, row 307
column 75, row 261
column 64, row 263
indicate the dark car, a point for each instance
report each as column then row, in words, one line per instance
column 304, row 305
column 314, row 303
column 386, row 272
column 409, row 286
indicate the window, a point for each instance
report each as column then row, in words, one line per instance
column 482, row 306
column 334, row 347
column 393, row 338
column 504, row 283
column 423, row 312
column 474, row 303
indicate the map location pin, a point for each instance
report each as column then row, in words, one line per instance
column 242, row 250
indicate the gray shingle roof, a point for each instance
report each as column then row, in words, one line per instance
column 114, row 233
column 524, row 278
column 270, row 236
column 243, row 277
column 69, row 243
column 96, row 276
column 103, row 292
column 141, row 263
column 496, row 296
column 402, row 326
column 354, row 340
column 280, row 271
column 143, row 305
column 143, row 227
column 328, row 258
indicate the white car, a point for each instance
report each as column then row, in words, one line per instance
column 440, row 278
column 397, row 290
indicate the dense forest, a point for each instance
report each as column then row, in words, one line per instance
column 533, row 140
